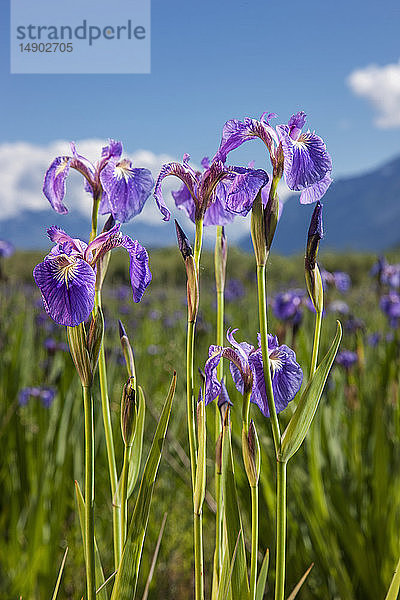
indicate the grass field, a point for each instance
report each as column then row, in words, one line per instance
column 343, row 485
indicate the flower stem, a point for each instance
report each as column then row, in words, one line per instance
column 198, row 242
column 254, row 541
column 317, row 335
column 280, row 531
column 190, row 397
column 198, row 556
column 105, row 405
column 89, row 493
column 95, row 211
column 124, row 499
column 220, row 281
column 262, row 311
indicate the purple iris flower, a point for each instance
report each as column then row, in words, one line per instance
column 6, row 249
column 67, row 276
column 46, row 395
column 390, row 304
column 339, row 306
column 342, row 281
column 374, row 338
column 303, row 157
column 215, row 193
column 123, row 190
column 247, row 372
column 286, row 306
column 391, row 275
column 346, row 359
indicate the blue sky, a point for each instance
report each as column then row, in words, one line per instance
column 212, row 61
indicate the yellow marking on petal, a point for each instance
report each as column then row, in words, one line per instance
column 64, row 269
column 61, row 167
column 123, row 172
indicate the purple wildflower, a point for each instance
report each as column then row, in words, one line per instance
column 374, row 338
column 342, row 281
column 123, row 190
column 286, row 305
column 212, row 193
column 346, row 358
column 6, row 249
column 46, row 395
column 67, row 276
column 339, row 306
column 391, row 275
column 390, row 305
column 354, row 324
column 303, row 157
column 247, row 372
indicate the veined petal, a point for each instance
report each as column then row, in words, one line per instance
column 184, row 173
column 258, row 393
column 103, row 243
column 235, row 133
column 306, row 160
column 112, row 150
column 54, row 183
column 315, row 192
column 67, row 286
column 184, row 201
column 138, row 268
column 287, row 376
column 127, row 189
column 208, row 183
column 296, row 124
column 213, row 386
column 217, row 213
column 244, row 189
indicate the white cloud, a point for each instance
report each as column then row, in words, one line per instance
column 381, row 86
column 23, row 165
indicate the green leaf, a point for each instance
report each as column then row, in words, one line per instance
column 240, row 583
column 297, row 587
column 262, row 577
column 128, row 572
column 136, row 452
column 226, row 573
column 154, row 559
column 393, row 590
column 102, row 595
column 302, row 418
column 54, row 596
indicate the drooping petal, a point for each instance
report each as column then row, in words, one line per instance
column 244, row 189
column 217, row 213
column 54, row 183
column 235, row 133
column 213, row 385
column 184, row 201
column 126, row 189
column 68, row 287
column 184, row 173
column 314, row 192
column 258, row 393
column 138, row 267
column 306, row 160
column 287, row 376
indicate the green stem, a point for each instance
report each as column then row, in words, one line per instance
column 95, row 211
column 89, row 493
column 198, row 241
column 105, row 405
column 262, row 311
column 317, row 335
column 198, row 557
column 280, row 531
column 190, row 398
column 254, row 542
column 124, row 490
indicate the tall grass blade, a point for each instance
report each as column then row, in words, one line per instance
column 297, row 587
column 154, row 559
column 54, row 596
column 301, row 420
column 393, row 590
column 226, row 573
column 262, row 577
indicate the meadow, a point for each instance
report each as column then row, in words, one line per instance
column 343, row 484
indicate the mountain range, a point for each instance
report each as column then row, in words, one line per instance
column 361, row 212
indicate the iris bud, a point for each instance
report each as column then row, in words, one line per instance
column 191, row 273
column 312, row 272
column 251, row 454
column 220, row 259
column 258, row 231
column 128, row 412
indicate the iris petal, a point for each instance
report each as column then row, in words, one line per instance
column 244, row 189
column 184, row 173
column 213, row 386
column 316, row 191
column 138, row 268
column 126, row 189
column 184, row 201
column 235, row 133
column 54, row 183
column 67, row 287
